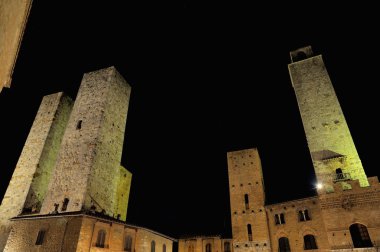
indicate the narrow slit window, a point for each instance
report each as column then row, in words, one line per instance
column 64, row 205
column 79, row 124
column 40, row 237
column 246, row 201
column 249, row 229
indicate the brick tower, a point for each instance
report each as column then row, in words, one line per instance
column 247, row 199
column 28, row 186
column 331, row 146
column 88, row 174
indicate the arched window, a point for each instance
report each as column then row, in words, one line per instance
column 208, row 247
column 128, row 243
column 360, row 236
column 301, row 56
column 153, row 246
column 227, row 247
column 309, row 242
column 249, row 229
column 101, row 238
column 246, row 201
column 164, row 248
column 283, row 244
column 190, row 248
column 282, row 218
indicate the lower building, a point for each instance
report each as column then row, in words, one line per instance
column 82, row 232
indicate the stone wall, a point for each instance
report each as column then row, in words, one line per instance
column 13, row 17
column 116, row 234
column 326, row 129
column 198, row 244
column 88, row 171
column 294, row 228
column 122, row 195
column 343, row 208
column 78, row 232
column 29, row 181
column 61, row 234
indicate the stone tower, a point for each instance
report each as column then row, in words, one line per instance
column 247, row 199
column 88, row 174
column 331, row 146
column 28, row 186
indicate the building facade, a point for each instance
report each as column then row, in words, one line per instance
column 69, row 191
column 345, row 213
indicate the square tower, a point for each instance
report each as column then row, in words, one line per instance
column 29, row 183
column 88, row 174
column 247, row 199
column 331, row 146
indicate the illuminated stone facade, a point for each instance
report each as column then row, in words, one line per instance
column 28, row 186
column 330, row 143
column 13, row 17
column 204, row 243
column 83, row 233
column 88, row 172
column 69, row 191
column 345, row 213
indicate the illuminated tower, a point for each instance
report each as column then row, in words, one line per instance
column 247, row 199
column 331, row 146
column 88, row 174
column 27, row 188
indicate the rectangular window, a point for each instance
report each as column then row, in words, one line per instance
column 40, row 237
column 65, row 203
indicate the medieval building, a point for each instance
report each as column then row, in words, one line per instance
column 68, row 191
column 345, row 213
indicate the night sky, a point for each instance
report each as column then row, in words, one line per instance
column 206, row 79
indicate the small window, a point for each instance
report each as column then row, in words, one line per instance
column 249, row 229
column 283, row 244
column 279, row 219
column 306, row 213
column 153, row 246
column 227, row 247
column 65, row 203
column 164, row 248
column 309, row 242
column 208, row 247
column 101, row 238
column 79, row 124
column 303, row 215
column 246, row 201
column 40, row 237
column 128, row 243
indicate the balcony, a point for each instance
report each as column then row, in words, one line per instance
column 341, row 177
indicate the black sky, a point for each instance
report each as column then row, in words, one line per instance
column 206, row 79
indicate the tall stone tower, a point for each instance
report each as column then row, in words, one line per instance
column 247, row 199
column 88, row 174
column 28, row 186
column 331, row 146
